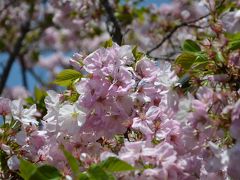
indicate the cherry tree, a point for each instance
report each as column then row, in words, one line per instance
column 149, row 92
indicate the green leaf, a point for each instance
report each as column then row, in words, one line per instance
column 185, row 60
column 191, row 60
column 234, row 45
column 125, row 18
column 96, row 172
column 3, row 159
column 199, row 65
column 201, row 57
column 119, row 138
column 137, row 54
column 74, row 97
column 73, row 163
column 39, row 94
column 104, row 170
column 234, row 41
column 191, row 46
column 46, row 172
column 113, row 164
column 29, row 171
column 35, row 56
column 108, row 43
column 200, row 62
column 234, row 36
column 30, row 100
column 224, row 7
column 83, row 176
column 220, row 57
column 67, row 77
column 26, row 169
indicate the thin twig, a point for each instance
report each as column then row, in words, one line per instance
column 116, row 30
column 189, row 23
column 166, row 57
column 163, row 58
column 168, row 36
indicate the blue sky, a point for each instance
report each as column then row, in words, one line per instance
column 15, row 77
column 158, row 2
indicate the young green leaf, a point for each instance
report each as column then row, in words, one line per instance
column 220, row 57
column 74, row 97
column 191, row 46
column 96, row 172
column 30, row 100
column 46, row 172
column 185, row 60
column 137, row 54
column 233, row 36
column 39, row 94
column 67, row 77
column 234, row 45
column 83, row 176
column 72, row 162
column 26, row 169
column 234, row 41
column 108, row 43
column 29, row 171
column 113, row 164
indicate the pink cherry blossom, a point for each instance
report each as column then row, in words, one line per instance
column 4, row 106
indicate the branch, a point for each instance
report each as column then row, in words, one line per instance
column 169, row 35
column 166, row 57
column 189, row 23
column 23, row 72
column 116, row 30
column 12, row 56
column 163, row 58
column 24, row 30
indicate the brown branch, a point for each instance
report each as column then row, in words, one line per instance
column 17, row 47
column 23, row 72
column 163, row 58
column 169, row 35
column 166, row 57
column 189, row 23
column 13, row 56
column 116, row 30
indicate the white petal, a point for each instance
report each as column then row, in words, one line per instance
column 81, row 118
column 13, row 163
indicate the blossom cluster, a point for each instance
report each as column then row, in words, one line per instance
column 128, row 106
column 55, row 25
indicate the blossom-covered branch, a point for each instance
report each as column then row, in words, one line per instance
column 121, row 114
